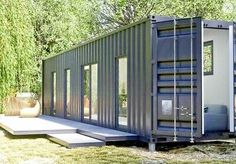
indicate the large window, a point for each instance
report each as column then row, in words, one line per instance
column 122, row 92
column 208, row 58
column 54, row 92
column 68, row 88
column 90, row 98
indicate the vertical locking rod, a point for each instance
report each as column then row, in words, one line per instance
column 175, row 104
column 192, row 105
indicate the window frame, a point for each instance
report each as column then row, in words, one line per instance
column 66, row 113
column 209, row 43
column 53, row 91
column 118, row 125
column 90, row 120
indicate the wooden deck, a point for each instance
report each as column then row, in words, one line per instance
column 72, row 140
column 31, row 126
column 66, row 132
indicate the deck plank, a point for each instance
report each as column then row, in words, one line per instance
column 53, row 125
column 73, row 140
column 31, row 126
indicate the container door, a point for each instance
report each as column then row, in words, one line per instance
column 177, row 78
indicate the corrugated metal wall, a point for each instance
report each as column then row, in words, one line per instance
column 133, row 41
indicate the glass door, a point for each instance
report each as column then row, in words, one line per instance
column 67, row 113
column 90, row 98
column 121, row 92
column 53, row 94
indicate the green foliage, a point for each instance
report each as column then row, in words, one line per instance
column 123, row 102
column 16, row 47
column 207, row 9
column 208, row 63
column 61, row 24
column 116, row 13
column 31, row 30
column 122, row 96
column 86, row 80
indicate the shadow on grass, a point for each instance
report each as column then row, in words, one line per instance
column 159, row 146
column 216, row 146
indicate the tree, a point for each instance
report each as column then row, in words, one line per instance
column 31, row 30
column 59, row 25
column 16, row 46
column 207, row 9
column 116, row 13
column 62, row 24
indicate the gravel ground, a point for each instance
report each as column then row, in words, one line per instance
column 212, row 152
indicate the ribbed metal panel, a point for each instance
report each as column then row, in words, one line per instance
column 134, row 42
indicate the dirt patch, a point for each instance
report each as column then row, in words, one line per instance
column 219, row 151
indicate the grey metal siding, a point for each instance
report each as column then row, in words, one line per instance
column 134, row 42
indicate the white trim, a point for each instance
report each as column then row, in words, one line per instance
column 203, row 122
column 231, row 79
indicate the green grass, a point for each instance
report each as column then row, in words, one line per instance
column 40, row 150
column 19, row 149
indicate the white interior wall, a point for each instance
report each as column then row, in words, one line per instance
column 216, row 86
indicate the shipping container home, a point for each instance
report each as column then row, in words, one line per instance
column 165, row 79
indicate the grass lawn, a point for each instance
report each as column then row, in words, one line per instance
column 31, row 150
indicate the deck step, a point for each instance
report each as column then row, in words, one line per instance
column 73, row 140
column 33, row 126
column 54, row 125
